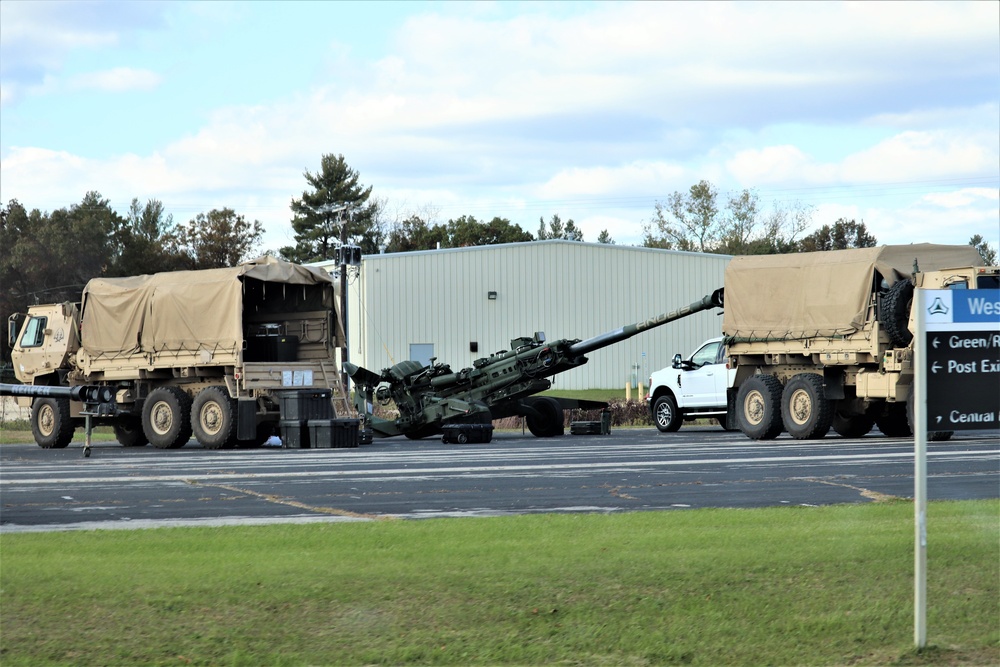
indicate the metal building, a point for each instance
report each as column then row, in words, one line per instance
column 460, row 304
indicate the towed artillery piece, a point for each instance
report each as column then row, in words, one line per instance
column 498, row 386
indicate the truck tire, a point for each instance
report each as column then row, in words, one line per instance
column 166, row 417
column 549, row 421
column 895, row 313
column 51, row 423
column 892, row 422
column 213, row 418
column 852, row 426
column 805, row 410
column 128, row 432
column 758, row 407
column 666, row 415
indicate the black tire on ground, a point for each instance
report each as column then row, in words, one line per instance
column 213, row 418
column 724, row 423
column 666, row 416
column 892, row 421
column 758, row 407
column 934, row 436
column 805, row 410
column 51, row 423
column 128, row 432
column 549, row 423
column 895, row 313
column 166, row 417
column 852, row 426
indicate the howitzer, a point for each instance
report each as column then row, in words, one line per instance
column 494, row 387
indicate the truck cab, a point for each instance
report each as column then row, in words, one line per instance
column 691, row 388
column 43, row 341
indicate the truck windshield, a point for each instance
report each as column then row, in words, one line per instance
column 34, row 332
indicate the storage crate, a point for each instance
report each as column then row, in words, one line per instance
column 294, row 434
column 306, row 404
column 336, row 433
column 463, row 433
column 602, row 427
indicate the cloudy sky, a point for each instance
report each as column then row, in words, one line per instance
column 883, row 112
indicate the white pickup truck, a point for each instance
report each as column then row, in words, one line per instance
column 692, row 388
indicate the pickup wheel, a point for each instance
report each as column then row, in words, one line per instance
column 805, row 410
column 128, row 432
column 549, row 421
column 51, row 423
column 758, row 407
column 166, row 418
column 213, row 418
column 666, row 415
column 895, row 313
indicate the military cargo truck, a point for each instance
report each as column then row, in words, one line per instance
column 214, row 353
column 823, row 339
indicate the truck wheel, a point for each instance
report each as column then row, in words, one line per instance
column 549, row 422
column 852, row 426
column 166, row 418
column 128, row 432
column 758, row 407
column 50, row 422
column 805, row 410
column 213, row 418
column 892, row 421
column 895, row 313
column 666, row 415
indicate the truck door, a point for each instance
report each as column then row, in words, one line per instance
column 700, row 385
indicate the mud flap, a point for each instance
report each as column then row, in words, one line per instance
column 246, row 419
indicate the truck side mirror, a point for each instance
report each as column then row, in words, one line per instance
column 14, row 323
column 677, row 361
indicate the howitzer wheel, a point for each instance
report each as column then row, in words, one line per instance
column 51, row 423
column 547, row 420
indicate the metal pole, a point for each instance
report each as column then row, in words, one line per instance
column 344, row 358
column 920, row 473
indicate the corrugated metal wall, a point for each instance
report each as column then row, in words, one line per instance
column 566, row 289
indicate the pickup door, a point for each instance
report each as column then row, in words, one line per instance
column 704, row 378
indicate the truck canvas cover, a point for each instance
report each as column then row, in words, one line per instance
column 187, row 310
column 802, row 295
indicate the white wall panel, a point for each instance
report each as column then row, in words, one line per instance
column 566, row 289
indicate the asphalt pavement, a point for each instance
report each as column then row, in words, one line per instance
column 628, row 470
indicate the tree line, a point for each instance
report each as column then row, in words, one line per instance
column 48, row 257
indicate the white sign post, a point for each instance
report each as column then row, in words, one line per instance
column 956, row 388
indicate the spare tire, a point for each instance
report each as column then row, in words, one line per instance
column 894, row 313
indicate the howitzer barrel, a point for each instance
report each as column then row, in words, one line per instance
column 85, row 393
column 713, row 300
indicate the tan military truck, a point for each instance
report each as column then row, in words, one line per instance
column 214, row 352
column 823, row 339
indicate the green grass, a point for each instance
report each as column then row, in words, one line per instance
column 784, row 586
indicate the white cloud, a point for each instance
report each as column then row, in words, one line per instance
column 117, row 80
